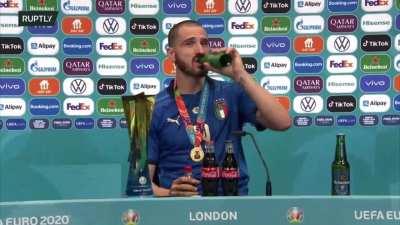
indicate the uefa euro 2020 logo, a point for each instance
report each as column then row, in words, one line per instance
column 130, row 217
column 295, row 215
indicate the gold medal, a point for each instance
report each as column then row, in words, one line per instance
column 197, row 154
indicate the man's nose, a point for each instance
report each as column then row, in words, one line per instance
column 200, row 49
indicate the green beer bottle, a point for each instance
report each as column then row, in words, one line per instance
column 216, row 60
column 340, row 168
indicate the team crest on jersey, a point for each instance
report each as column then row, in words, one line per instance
column 221, row 109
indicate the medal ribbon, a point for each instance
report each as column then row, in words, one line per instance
column 195, row 136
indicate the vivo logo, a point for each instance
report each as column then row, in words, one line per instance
column 44, row 106
column 276, row 84
column 381, row 22
column 43, row 46
column 76, row 7
column 308, row 64
column 78, row 86
column 242, row 7
column 140, row 7
column 339, row 84
column 43, row 66
column 12, row 107
column 374, row 103
column 342, row 5
column 308, row 24
column 110, row 26
column 275, row 45
column 145, row 66
column 148, row 85
column 11, row 86
column 169, row 22
column 375, row 83
column 177, row 6
column 342, row 44
column 242, row 25
column 78, row 106
column 244, row 45
column 308, row 84
column 9, row 25
column 341, row 64
column 111, row 46
column 376, row 5
column 111, row 66
column 308, row 104
column 309, row 6
column 275, row 65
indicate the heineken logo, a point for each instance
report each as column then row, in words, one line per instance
column 375, row 63
column 276, row 24
column 42, row 5
column 11, row 66
column 144, row 46
column 110, row 106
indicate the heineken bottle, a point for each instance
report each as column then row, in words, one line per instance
column 340, row 168
column 216, row 60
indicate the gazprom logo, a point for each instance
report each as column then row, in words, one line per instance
column 308, row 24
column 308, row 64
column 76, row 7
column 212, row 25
column 145, row 66
column 375, row 83
column 43, row 66
column 342, row 5
column 276, row 84
column 275, row 45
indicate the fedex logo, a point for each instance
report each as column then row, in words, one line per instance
column 112, row 46
column 376, row 5
column 341, row 64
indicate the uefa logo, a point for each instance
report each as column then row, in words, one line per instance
column 295, row 215
column 130, row 217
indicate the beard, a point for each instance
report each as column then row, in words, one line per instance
column 188, row 69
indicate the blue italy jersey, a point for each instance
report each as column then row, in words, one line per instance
column 228, row 109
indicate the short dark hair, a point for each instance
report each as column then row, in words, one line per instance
column 173, row 33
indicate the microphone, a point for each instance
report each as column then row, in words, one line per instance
column 268, row 187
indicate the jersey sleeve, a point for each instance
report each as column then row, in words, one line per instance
column 153, row 140
column 247, row 108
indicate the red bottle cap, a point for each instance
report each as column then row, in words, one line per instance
column 187, row 169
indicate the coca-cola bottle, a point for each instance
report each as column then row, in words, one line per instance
column 209, row 172
column 230, row 171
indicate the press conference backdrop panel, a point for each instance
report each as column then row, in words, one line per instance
column 334, row 64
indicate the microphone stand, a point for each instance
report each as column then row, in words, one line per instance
column 268, row 186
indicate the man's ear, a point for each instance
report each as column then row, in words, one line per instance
column 171, row 53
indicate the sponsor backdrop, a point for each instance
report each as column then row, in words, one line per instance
column 334, row 64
